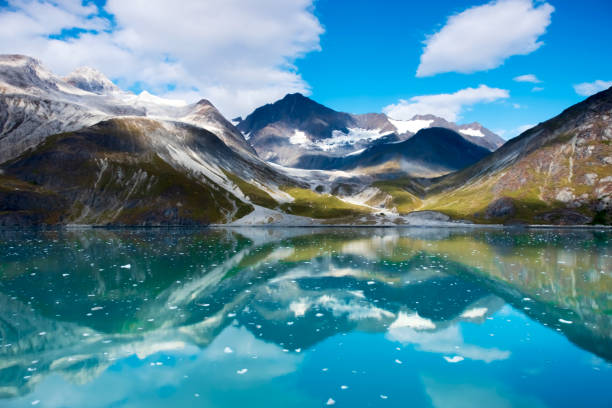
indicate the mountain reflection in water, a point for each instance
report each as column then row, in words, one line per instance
column 305, row 317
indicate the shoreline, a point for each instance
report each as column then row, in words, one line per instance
column 77, row 227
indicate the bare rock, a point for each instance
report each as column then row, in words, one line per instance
column 501, row 208
column 590, row 179
column 564, row 217
column 565, row 195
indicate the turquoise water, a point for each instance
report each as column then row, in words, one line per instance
column 306, row 317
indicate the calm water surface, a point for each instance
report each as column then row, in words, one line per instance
column 305, row 318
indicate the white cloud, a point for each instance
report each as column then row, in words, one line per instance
column 447, row 106
column 237, row 53
column 527, row 78
column 483, row 37
column 591, row 88
column 537, row 89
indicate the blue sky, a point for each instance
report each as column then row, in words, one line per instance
column 358, row 56
column 371, row 51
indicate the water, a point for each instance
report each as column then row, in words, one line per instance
column 306, row 317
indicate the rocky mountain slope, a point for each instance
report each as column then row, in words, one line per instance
column 35, row 103
column 299, row 132
column 98, row 155
column 560, row 171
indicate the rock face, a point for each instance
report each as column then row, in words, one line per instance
column 501, row 208
column 299, row 132
column 560, row 166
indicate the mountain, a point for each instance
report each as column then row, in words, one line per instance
column 473, row 132
column 35, row 103
column 299, row 132
column 560, row 171
column 296, row 125
column 79, row 150
column 431, row 152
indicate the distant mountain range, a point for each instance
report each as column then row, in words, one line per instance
column 296, row 126
column 79, row 150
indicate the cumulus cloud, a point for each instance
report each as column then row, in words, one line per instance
column 447, row 106
column 237, row 53
column 527, row 78
column 591, row 88
column 483, row 37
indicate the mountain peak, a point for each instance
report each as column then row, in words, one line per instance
column 18, row 60
column 298, row 112
column 91, row 80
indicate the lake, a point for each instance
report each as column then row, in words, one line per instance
column 291, row 317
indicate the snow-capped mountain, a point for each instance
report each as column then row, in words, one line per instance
column 79, row 150
column 296, row 127
column 431, row 152
column 37, row 103
column 474, row 132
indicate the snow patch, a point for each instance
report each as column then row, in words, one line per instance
column 338, row 140
column 411, row 126
column 472, row 132
column 299, row 138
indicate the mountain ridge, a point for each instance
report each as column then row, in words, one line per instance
column 102, row 156
column 296, row 126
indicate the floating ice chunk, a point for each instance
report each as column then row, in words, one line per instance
column 330, row 402
column 298, row 350
column 398, row 361
column 93, row 309
column 65, row 274
column 344, row 387
column 371, row 282
column 126, row 266
column 453, row 359
column 35, row 402
column 231, row 315
column 243, row 371
column 228, row 350
column 565, row 321
column 382, row 396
